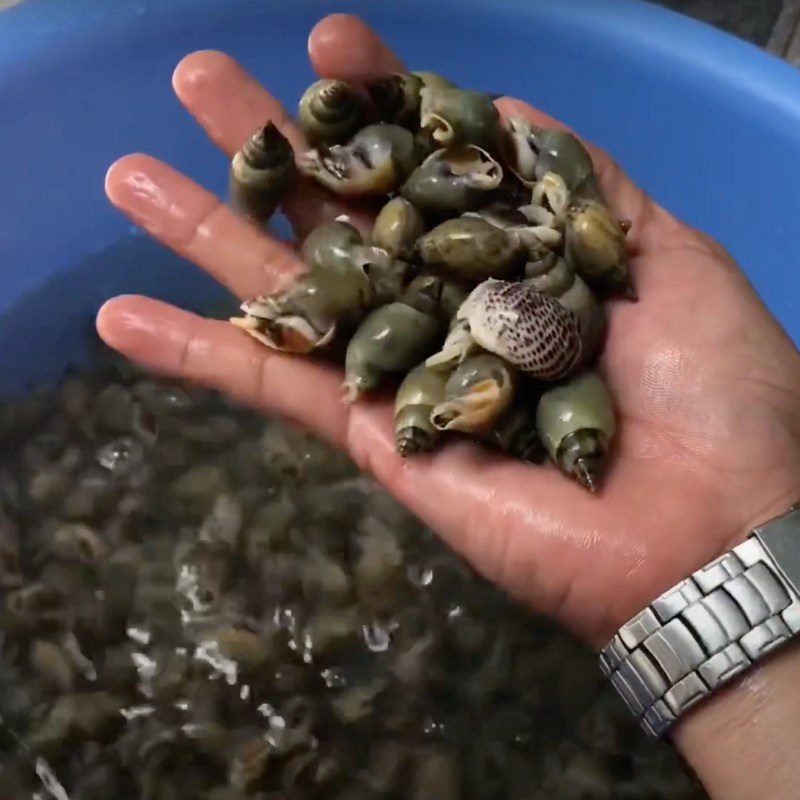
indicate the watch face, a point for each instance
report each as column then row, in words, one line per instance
column 781, row 539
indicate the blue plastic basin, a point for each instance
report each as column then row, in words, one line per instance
column 708, row 124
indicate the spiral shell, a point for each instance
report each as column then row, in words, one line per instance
column 531, row 152
column 453, row 181
column 262, row 174
column 596, row 248
column 529, row 329
column 472, row 249
column 433, row 80
column 393, row 338
column 396, row 97
column 458, row 116
column 421, row 390
column 397, row 227
column 576, row 422
column 304, row 317
column 549, row 273
column 374, row 162
column 476, row 394
column 330, row 112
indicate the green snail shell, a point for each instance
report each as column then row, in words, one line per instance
column 453, row 181
column 478, row 391
column 396, row 98
column 472, row 249
column 397, row 227
column 373, row 163
column 393, row 338
column 262, row 173
column 576, row 423
column 459, row 116
column 596, row 248
column 549, row 273
column 330, row 112
column 331, row 245
column 420, row 391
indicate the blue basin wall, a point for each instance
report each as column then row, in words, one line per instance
column 709, row 125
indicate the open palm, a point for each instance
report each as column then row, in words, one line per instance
column 707, row 384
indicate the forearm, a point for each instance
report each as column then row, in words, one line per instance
column 743, row 743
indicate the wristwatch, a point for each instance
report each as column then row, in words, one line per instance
column 710, row 627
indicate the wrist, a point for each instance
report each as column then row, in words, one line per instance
column 732, row 616
column 741, row 740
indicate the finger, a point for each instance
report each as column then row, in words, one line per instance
column 506, row 518
column 342, row 46
column 215, row 354
column 196, row 225
column 230, row 104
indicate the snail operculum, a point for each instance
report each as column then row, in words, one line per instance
column 458, row 116
column 453, row 180
column 330, row 112
column 262, row 173
column 471, row 248
column 476, row 394
column 421, row 390
column 374, row 162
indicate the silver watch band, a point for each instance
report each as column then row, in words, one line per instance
column 709, row 628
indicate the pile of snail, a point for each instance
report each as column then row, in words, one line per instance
column 481, row 283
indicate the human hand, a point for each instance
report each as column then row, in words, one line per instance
column 707, row 384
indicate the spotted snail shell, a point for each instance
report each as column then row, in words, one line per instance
column 529, row 329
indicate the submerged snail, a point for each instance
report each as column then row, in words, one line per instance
column 596, row 248
column 453, row 181
column 262, row 173
column 330, row 112
column 549, row 273
column 458, row 116
column 576, row 423
column 529, row 329
column 472, row 249
column 421, row 390
column 532, row 152
column 478, row 391
column 304, row 316
column 374, row 162
column 396, row 97
column 394, row 337
column 397, row 227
